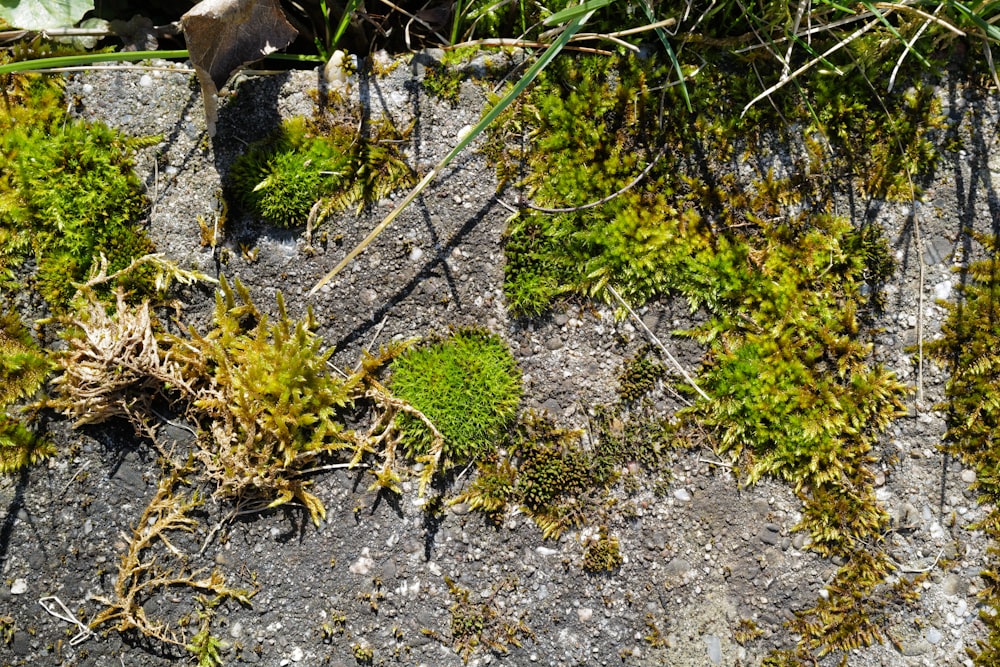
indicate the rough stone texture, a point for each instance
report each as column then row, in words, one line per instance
column 696, row 561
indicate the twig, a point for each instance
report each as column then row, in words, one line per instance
column 656, row 341
column 909, row 45
column 331, row 466
column 788, row 79
column 920, row 303
column 175, row 424
column 63, row 613
column 917, row 570
column 73, row 478
column 417, row 19
column 215, row 529
column 716, row 463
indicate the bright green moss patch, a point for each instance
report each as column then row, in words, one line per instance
column 467, row 384
column 67, row 194
column 282, row 177
column 596, row 125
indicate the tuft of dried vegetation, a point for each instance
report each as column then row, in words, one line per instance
column 152, row 563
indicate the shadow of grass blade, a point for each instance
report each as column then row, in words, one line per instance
column 550, row 53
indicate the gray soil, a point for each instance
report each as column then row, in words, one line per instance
column 696, row 561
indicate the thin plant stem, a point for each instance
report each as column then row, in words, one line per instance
column 656, row 341
column 543, row 61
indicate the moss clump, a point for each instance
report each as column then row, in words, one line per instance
column 467, row 384
column 282, row 177
column 603, row 553
column 67, row 194
column 443, row 82
column 639, row 375
column 23, row 369
column 547, row 472
column 482, row 625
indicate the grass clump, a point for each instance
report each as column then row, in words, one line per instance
column 282, row 177
column 468, row 385
column 67, row 194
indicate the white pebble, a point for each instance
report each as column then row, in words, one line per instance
column 416, row 254
column 145, row 81
column 18, row 587
column 942, row 290
column 297, row 654
column 363, row 564
column 682, row 495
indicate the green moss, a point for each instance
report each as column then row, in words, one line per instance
column 23, row 369
column 67, row 194
column 603, row 553
column 479, row 626
column 467, row 384
column 443, row 82
column 786, row 287
column 547, row 473
column 968, row 349
column 282, row 177
column 639, row 375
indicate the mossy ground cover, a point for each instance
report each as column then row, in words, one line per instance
column 67, row 193
column 623, row 189
column 968, row 349
column 318, row 162
column 467, row 384
column 68, row 197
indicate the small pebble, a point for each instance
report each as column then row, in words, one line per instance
column 416, row 254
column 714, row 648
column 968, row 476
column 145, row 81
column 18, row 587
column 297, row 654
column 682, row 495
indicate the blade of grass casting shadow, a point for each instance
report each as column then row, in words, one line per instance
column 550, row 53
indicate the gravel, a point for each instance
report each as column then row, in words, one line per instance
column 698, row 561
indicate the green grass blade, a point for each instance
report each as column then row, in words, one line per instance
column 543, row 61
column 87, row 59
column 456, row 22
column 662, row 34
column 990, row 31
column 345, row 20
column 576, row 11
column 870, row 6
